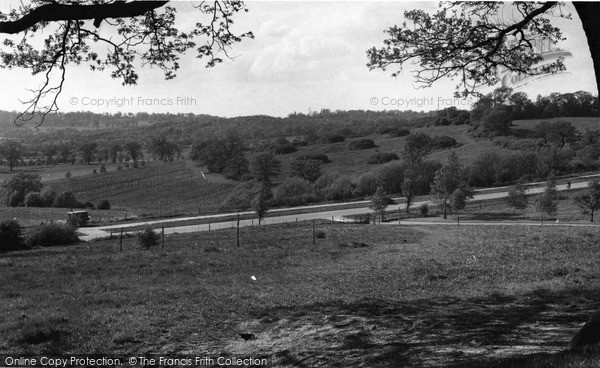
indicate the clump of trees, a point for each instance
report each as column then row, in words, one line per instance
column 224, row 156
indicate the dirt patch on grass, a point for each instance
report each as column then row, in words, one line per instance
column 419, row 334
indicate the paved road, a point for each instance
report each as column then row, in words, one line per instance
column 320, row 212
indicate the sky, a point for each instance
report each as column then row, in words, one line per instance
column 305, row 56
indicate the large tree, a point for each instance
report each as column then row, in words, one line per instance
column 472, row 41
column 590, row 200
column 12, row 152
column 449, row 186
column 143, row 33
column 416, row 147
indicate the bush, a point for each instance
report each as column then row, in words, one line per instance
column 395, row 133
column 294, row 191
column 68, row 175
column 424, row 209
column 382, row 158
column 342, row 188
column 53, row 234
column 67, row 199
column 15, row 199
column 320, row 234
column 33, row 199
column 366, row 185
column 48, row 195
column 95, row 171
column 88, row 204
column 104, row 204
column 11, row 236
column 102, row 169
column 119, row 168
column 148, row 238
column 361, row 144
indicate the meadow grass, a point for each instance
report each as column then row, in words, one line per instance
column 364, row 295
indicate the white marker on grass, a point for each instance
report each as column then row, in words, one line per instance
column 253, row 278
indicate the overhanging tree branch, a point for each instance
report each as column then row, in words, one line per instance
column 56, row 12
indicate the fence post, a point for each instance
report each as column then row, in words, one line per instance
column 121, row 241
column 237, row 235
column 163, row 237
column 314, row 234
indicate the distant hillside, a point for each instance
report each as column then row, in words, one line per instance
column 184, row 128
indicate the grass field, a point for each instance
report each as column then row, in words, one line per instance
column 158, row 188
column 376, row 296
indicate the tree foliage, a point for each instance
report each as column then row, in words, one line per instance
column 449, row 185
column 11, row 151
column 380, row 202
column 134, row 33
column 517, row 199
column 264, row 167
column 470, row 41
column 590, row 200
column 261, row 201
column 309, row 170
column 17, row 187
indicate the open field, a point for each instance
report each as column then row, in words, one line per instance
column 159, row 188
column 397, row 297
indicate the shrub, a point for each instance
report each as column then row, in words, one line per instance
column 366, row 185
column 361, row 144
column 88, row 204
column 104, row 204
column 395, row 133
column 382, row 158
column 148, row 238
column 47, row 195
column 15, row 199
column 342, row 188
column 67, row 199
column 424, row 209
column 102, row 169
column 320, row 234
column 68, row 175
column 11, row 236
column 119, row 168
column 294, row 191
column 95, row 171
column 53, row 234
column 33, row 199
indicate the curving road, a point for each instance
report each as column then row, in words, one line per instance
column 320, row 212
